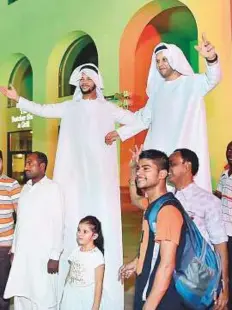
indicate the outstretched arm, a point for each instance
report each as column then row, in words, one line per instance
column 208, row 80
column 133, row 123
column 44, row 110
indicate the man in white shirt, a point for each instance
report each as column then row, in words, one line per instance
column 203, row 207
column 175, row 113
column 224, row 192
column 38, row 240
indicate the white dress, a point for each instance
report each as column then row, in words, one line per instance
column 175, row 118
column 80, row 282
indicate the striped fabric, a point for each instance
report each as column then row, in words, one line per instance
column 9, row 195
column 225, row 187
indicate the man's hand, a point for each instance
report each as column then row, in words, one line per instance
column 206, row 49
column 135, row 156
column 127, row 270
column 10, row 93
column 111, row 137
column 53, row 266
column 223, row 298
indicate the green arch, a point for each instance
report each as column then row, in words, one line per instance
column 63, row 56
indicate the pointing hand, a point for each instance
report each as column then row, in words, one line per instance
column 206, row 49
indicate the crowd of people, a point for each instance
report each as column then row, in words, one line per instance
column 66, row 249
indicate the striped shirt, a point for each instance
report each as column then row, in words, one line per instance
column 9, row 195
column 225, row 188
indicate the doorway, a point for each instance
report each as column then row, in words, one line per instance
column 19, row 144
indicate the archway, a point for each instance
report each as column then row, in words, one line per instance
column 82, row 50
column 170, row 21
column 17, row 126
column 21, row 77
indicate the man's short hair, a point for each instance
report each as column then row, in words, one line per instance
column 1, row 155
column 191, row 157
column 160, row 158
column 42, row 158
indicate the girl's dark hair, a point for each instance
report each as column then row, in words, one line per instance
column 96, row 228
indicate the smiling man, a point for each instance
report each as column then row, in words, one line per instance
column 175, row 113
column 160, row 250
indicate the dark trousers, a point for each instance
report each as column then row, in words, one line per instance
column 4, row 273
column 230, row 272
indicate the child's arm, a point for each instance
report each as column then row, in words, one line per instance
column 99, row 275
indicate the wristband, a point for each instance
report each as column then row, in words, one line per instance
column 211, row 61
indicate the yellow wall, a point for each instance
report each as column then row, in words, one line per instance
column 213, row 18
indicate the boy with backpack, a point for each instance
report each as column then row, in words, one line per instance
column 158, row 253
column 176, row 268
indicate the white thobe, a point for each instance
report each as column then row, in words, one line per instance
column 175, row 118
column 87, row 170
column 38, row 237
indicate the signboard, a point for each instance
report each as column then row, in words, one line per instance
column 23, row 121
column 18, row 120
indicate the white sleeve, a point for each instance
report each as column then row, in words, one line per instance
column 208, row 80
column 98, row 259
column 142, row 120
column 214, row 223
column 45, row 110
column 57, row 208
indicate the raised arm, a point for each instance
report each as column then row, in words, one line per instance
column 208, row 80
column 43, row 110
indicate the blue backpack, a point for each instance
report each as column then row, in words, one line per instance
column 198, row 276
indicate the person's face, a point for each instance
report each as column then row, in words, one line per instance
column 148, row 174
column 163, row 66
column 85, row 235
column 1, row 166
column 229, row 153
column 33, row 168
column 177, row 168
column 87, row 85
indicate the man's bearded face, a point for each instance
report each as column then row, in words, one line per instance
column 163, row 66
column 87, row 85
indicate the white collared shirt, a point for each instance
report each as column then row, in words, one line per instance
column 205, row 209
column 225, row 187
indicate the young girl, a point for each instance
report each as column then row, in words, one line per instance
column 84, row 283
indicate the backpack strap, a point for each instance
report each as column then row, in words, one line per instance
column 152, row 212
